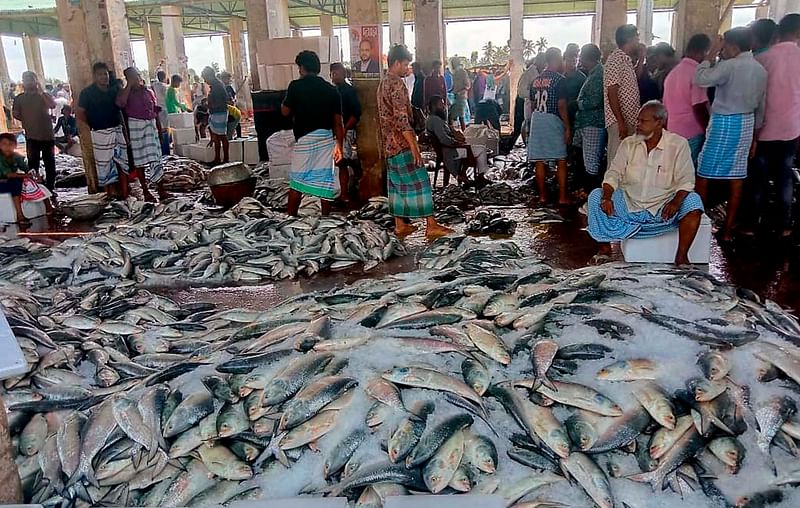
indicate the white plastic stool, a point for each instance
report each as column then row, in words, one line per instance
column 31, row 209
column 661, row 249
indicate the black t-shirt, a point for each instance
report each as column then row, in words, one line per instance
column 101, row 107
column 313, row 102
column 351, row 106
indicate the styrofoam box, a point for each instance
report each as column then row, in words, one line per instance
column 183, row 136
column 471, row 501
column 279, row 171
column 201, row 152
column 180, row 120
column 283, row 50
column 12, row 362
column 661, row 249
column 236, row 150
column 294, row 502
column 251, row 151
column 181, row 150
column 31, row 209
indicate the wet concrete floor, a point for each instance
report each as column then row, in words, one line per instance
column 769, row 268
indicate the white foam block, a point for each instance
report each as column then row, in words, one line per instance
column 180, row 120
column 183, row 136
column 661, row 249
column 31, row 209
column 12, row 362
column 471, row 501
column 251, row 151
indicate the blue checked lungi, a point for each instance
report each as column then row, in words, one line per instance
column 593, row 142
column 696, row 145
column 409, row 187
column 146, row 147
column 110, row 151
column 727, row 146
column 218, row 123
column 625, row 224
column 313, row 171
column 546, row 138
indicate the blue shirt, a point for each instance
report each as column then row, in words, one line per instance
column 546, row 90
column 448, row 80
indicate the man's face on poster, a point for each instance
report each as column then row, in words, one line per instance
column 365, row 50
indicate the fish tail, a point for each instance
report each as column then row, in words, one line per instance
column 654, row 478
column 549, row 384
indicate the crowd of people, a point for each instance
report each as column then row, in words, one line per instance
column 644, row 136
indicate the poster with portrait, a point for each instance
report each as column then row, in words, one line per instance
column 365, row 51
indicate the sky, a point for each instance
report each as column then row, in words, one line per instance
column 462, row 39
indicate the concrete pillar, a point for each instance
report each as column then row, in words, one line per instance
column 326, row 25
column 92, row 32
column 174, row 49
column 609, row 15
column 5, row 78
column 370, row 149
column 644, row 21
column 226, row 49
column 278, row 18
column 693, row 17
column 154, row 43
column 762, row 11
column 780, row 8
column 238, row 63
column 33, row 55
column 517, row 8
column 397, row 17
column 257, row 30
column 725, row 16
column 428, row 32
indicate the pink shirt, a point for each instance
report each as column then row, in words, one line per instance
column 782, row 111
column 680, row 97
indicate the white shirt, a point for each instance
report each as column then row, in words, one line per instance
column 650, row 180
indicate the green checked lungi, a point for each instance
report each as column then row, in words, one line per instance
column 409, row 187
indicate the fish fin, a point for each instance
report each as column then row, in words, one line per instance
column 549, row 384
column 314, row 446
column 655, row 480
column 537, row 382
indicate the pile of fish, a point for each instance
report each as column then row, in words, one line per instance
column 69, row 171
column 376, row 210
column 544, row 387
column 182, row 174
column 491, row 223
column 274, row 194
column 503, row 194
column 544, row 216
column 185, row 243
column 455, row 195
column 450, row 215
column 467, row 253
column 496, row 194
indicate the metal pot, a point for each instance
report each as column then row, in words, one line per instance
column 232, row 172
column 229, row 194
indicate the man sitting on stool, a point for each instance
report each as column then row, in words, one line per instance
column 457, row 155
column 648, row 189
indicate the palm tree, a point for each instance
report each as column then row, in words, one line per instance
column 502, row 55
column 528, row 49
column 474, row 58
column 541, row 45
column 489, row 52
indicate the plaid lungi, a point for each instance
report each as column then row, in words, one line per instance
column 695, row 145
column 546, row 138
column 110, row 152
column 626, row 224
column 725, row 153
column 146, row 147
column 593, row 142
column 409, row 187
column 313, row 171
column 349, row 145
column 218, row 123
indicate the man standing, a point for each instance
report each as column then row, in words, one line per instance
column 316, row 111
column 664, row 56
column 777, row 139
column 573, row 81
column 217, row 115
column 550, row 131
column 461, row 86
column 621, row 89
column 737, row 110
column 522, row 103
column 226, row 79
column 97, row 107
column 409, row 188
column 434, row 84
column 648, row 189
column 144, row 131
column 32, row 108
column 763, row 34
column 590, row 126
column 366, row 64
column 160, row 89
column 351, row 114
column 687, row 103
